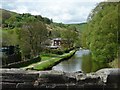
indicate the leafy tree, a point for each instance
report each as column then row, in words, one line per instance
column 39, row 17
column 83, row 39
column 11, row 21
column 9, row 37
column 55, row 33
column 46, row 20
column 101, row 37
column 33, row 36
column 70, row 35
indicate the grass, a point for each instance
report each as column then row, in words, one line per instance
column 46, row 64
column 48, row 56
column 49, row 61
column 45, row 58
column 115, row 63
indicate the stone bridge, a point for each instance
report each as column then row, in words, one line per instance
column 104, row 79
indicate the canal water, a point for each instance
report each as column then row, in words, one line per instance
column 81, row 61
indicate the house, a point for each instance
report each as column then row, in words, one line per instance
column 55, row 43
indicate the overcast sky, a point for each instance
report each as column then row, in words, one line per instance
column 65, row 11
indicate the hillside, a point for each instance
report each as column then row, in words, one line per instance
column 26, row 31
column 80, row 26
column 11, row 20
column 9, row 17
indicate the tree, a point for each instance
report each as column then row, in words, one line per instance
column 39, row 17
column 32, row 37
column 102, row 32
column 70, row 35
column 11, row 21
column 9, row 37
column 47, row 20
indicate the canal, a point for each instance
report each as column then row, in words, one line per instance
column 81, row 61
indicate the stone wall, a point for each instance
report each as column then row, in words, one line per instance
column 22, row 63
column 103, row 79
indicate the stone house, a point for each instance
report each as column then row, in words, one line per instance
column 55, row 43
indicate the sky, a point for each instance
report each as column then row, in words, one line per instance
column 61, row 11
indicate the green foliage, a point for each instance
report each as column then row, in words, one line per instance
column 32, row 38
column 31, row 31
column 5, row 15
column 80, row 29
column 70, row 35
column 102, row 34
column 89, row 65
column 9, row 37
column 11, row 19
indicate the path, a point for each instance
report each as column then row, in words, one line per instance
column 32, row 65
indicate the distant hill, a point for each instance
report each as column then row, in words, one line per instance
column 5, row 14
column 12, row 18
column 12, row 21
column 80, row 26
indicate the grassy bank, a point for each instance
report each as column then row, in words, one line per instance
column 48, row 62
column 115, row 63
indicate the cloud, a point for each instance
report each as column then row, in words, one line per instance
column 21, row 9
column 65, row 11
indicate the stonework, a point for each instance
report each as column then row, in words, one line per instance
column 103, row 79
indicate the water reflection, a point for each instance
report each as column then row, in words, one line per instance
column 70, row 65
column 81, row 61
column 73, row 64
column 90, row 65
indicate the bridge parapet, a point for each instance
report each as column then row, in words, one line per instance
column 108, row 78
